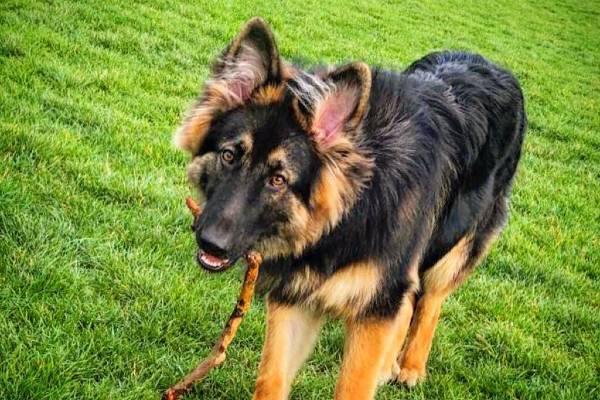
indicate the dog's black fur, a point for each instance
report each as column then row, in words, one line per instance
column 449, row 127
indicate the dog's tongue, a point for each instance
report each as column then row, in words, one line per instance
column 212, row 260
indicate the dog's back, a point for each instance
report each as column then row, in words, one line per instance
column 482, row 109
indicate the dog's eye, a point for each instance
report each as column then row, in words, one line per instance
column 277, row 181
column 227, row 156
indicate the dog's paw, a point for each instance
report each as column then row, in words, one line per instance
column 411, row 376
column 389, row 373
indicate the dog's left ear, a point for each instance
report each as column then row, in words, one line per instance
column 251, row 60
column 340, row 105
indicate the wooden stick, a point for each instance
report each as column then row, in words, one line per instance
column 193, row 206
column 217, row 355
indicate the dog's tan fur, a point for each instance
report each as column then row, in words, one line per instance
column 346, row 293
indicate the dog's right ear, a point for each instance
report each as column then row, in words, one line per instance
column 250, row 61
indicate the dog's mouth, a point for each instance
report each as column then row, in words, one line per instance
column 211, row 262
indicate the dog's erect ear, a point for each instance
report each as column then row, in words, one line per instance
column 251, row 60
column 336, row 105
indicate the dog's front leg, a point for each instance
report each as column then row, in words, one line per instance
column 367, row 343
column 291, row 335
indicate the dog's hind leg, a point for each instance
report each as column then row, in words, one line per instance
column 416, row 352
column 291, row 335
column 438, row 282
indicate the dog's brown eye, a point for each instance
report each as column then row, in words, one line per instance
column 277, row 181
column 227, row 156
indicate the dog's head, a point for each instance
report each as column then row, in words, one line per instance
column 275, row 150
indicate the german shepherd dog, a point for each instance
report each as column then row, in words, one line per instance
column 371, row 195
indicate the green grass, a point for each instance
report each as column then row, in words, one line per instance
column 99, row 294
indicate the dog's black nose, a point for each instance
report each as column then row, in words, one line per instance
column 214, row 242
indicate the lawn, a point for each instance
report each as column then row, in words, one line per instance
column 99, row 294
